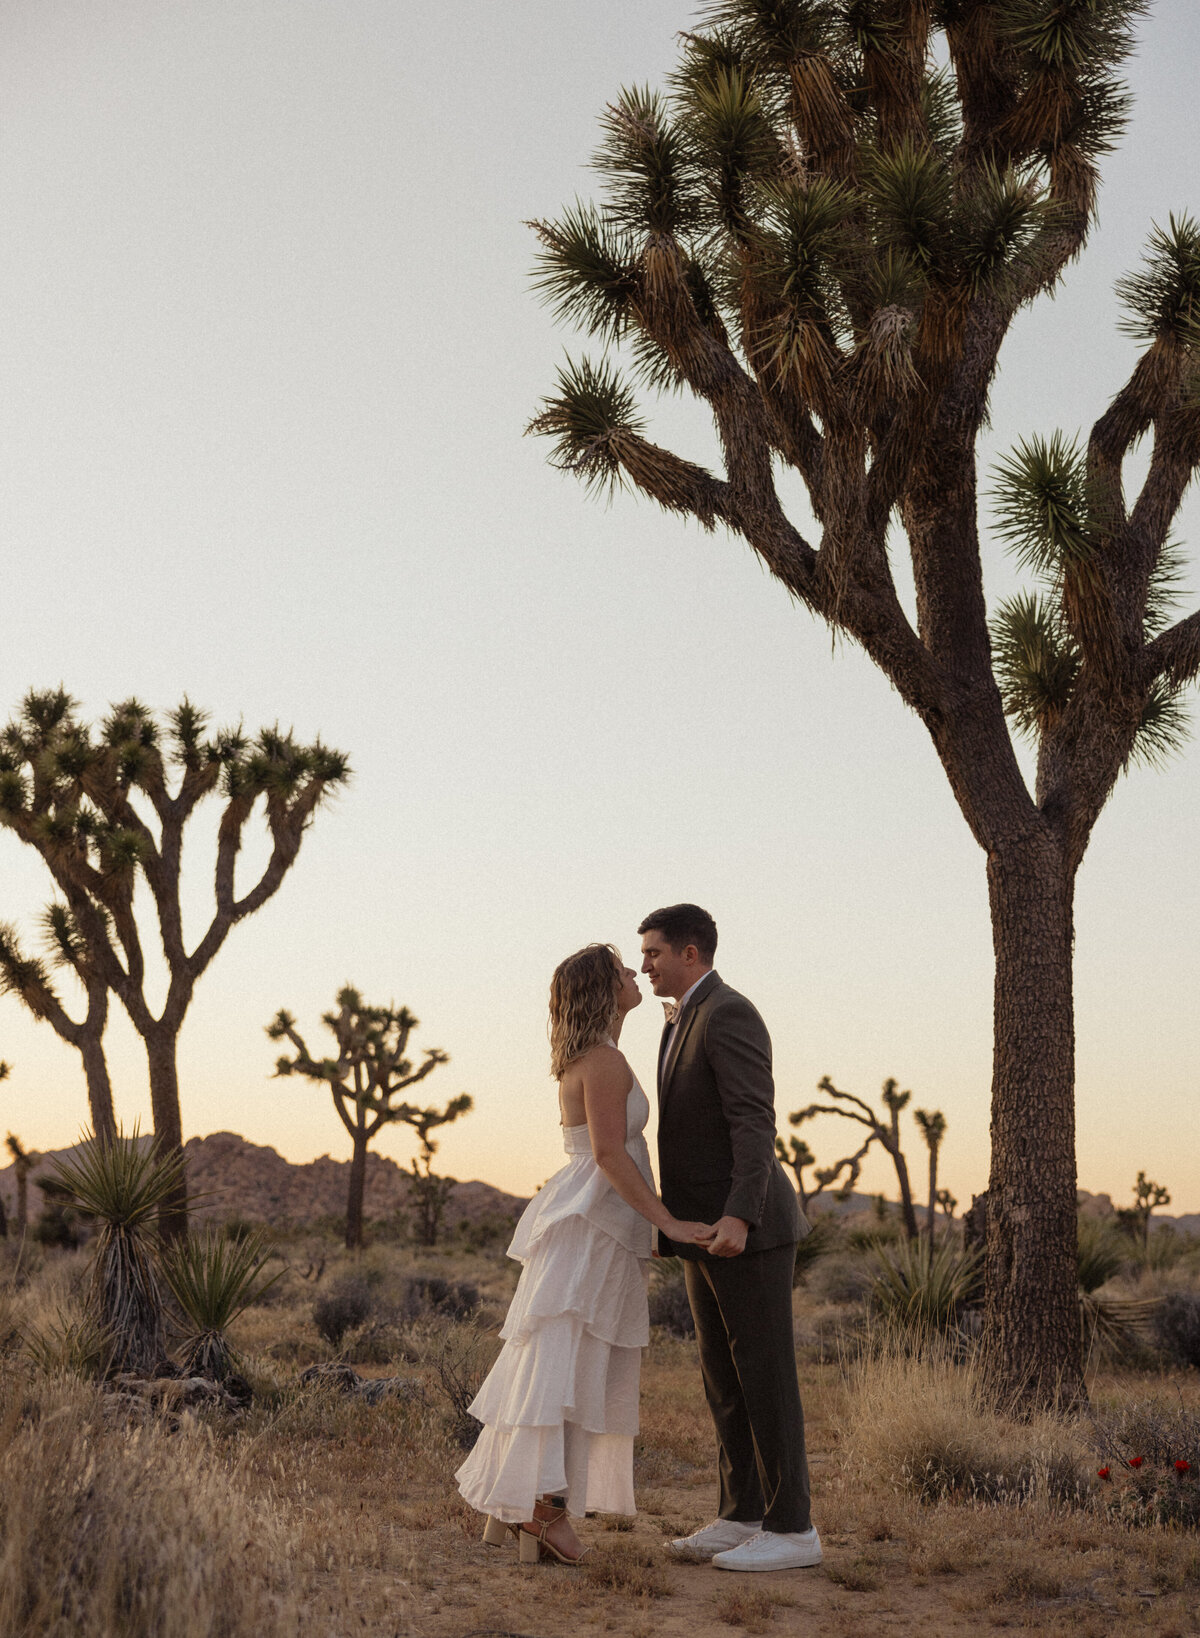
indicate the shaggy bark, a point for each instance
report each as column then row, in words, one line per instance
column 1031, row 1279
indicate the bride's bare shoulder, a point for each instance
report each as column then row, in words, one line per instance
column 602, row 1063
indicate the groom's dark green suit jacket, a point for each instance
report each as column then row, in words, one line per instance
column 716, row 1123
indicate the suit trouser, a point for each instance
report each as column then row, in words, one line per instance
column 743, row 1312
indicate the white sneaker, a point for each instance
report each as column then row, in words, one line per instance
column 772, row 1550
column 714, row 1538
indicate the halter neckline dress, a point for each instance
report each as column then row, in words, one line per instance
column 560, row 1406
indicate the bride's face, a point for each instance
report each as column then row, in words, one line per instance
column 628, row 996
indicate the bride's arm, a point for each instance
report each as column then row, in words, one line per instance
column 606, row 1083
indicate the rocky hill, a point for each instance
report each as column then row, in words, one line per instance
column 235, row 1178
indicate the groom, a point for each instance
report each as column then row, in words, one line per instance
column 717, row 1164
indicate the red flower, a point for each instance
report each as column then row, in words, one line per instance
column 1135, row 1461
column 1183, row 1467
column 1105, row 1473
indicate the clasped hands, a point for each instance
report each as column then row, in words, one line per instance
column 724, row 1238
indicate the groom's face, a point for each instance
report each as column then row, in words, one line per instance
column 669, row 971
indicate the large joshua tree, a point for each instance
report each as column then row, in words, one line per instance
column 106, row 808
column 826, row 239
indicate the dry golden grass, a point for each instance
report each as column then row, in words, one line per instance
column 139, row 1532
column 321, row 1516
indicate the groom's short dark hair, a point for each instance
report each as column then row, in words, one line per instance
column 684, row 924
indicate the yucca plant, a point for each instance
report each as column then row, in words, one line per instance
column 915, row 1284
column 213, row 1278
column 823, row 228
column 120, row 1183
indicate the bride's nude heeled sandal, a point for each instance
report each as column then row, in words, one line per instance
column 533, row 1540
column 496, row 1532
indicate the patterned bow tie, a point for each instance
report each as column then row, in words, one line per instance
column 671, row 1011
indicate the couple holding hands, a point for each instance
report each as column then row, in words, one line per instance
column 560, row 1406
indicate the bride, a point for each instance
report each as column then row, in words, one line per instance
column 560, row 1406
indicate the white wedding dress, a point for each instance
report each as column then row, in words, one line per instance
column 560, row 1406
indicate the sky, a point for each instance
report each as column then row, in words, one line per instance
column 268, row 350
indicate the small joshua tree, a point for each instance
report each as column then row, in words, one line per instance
column 933, row 1129
column 370, row 1070
column 1136, row 1218
column 24, row 1160
column 881, row 1130
column 431, row 1192
column 108, row 807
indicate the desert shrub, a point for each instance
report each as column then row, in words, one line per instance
column 912, row 1283
column 347, row 1303
column 57, row 1226
column 1165, row 1249
column 460, row 1356
column 241, row 1228
column 141, row 1534
column 842, row 1278
column 429, row 1294
column 1177, row 1327
column 1152, row 1463
column 881, row 1230
column 1103, row 1250
column 669, row 1305
column 920, row 1418
column 486, row 1233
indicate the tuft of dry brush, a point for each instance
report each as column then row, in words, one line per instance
column 920, row 1418
column 139, row 1532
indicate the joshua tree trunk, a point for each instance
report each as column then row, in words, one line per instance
column 933, row 1165
column 358, row 1183
column 95, row 1067
column 168, row 1127
column 1031, row 1217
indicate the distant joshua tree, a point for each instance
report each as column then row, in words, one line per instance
column 1135, row 1219
column 885, row 1132
column 933, row 1129
column 370, row 1070
column 107, row 807
column 24, row 1160
column 822, row 231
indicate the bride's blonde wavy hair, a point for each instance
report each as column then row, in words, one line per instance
column 583, row 1003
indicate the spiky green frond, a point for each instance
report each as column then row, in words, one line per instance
column 777, row 32
column 1163, row 297
column 1040, row 504
column 941, row 111
column 586, row 418
column 1164, row 729
column 653, row 186
column 908, row 189
column 997, row 219
column 1034, row 660
column 1078, row 36
column 584, row 271
column 122, row 1181
column 1163, row 594
column 213, row 1278
column 733, row 140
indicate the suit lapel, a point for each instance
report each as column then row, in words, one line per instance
column 668, row 1061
